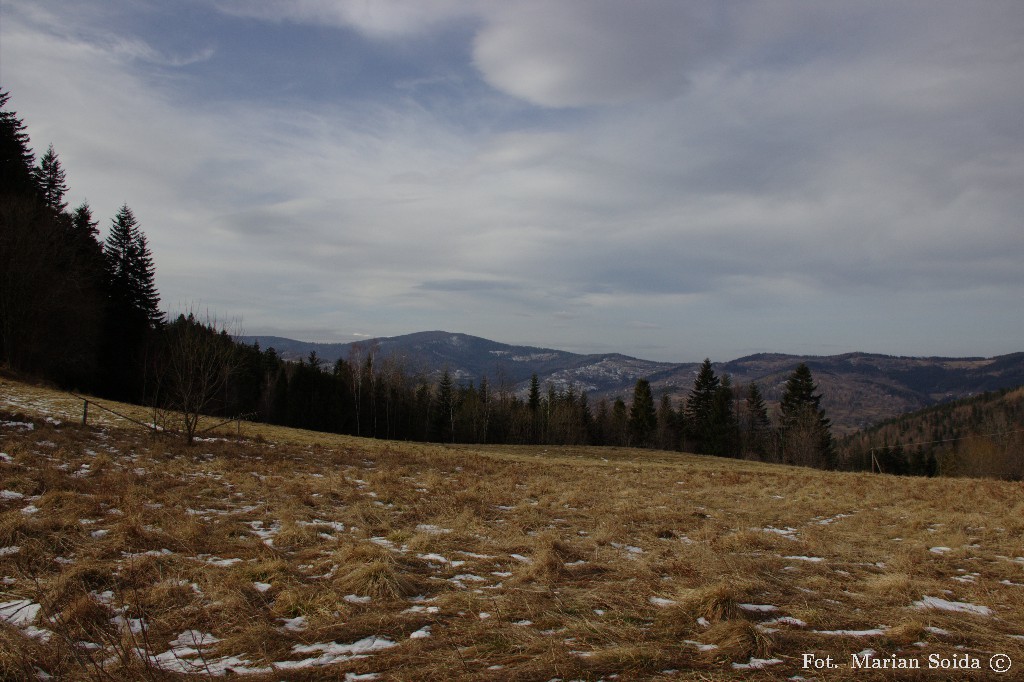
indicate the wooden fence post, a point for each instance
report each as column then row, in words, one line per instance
column 85, row 413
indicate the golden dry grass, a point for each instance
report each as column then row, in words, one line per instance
column 478, row 563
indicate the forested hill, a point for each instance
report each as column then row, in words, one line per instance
column 859, row 389
column 983, row 435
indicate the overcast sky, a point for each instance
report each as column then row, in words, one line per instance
column 671, row 180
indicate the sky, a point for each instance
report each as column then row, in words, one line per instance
column 666, row 179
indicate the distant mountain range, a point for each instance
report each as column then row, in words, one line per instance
column 859, row 389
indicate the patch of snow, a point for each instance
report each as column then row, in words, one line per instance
column 759, row 608
column 333, row 652
column 874, row 632
column 812, row 559
column 659, row 601
column 20, row 612
column 10, row 495
column 784, row 532
column 261, row 587
column 419, row 608
column 939, row 550
column 8, row 551
column 357, row 599
column 297, row 624
column 786, row 620
column 959, row 606
column 756, row 664
column 432, row 529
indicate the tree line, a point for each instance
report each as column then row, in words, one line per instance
column 74, row 309
column 84, row 312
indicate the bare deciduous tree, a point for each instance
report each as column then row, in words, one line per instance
column 197, row 362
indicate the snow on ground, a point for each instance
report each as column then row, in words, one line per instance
column 946, row 605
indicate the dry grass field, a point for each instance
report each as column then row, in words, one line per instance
column 290, row 555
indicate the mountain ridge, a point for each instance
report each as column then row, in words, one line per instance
column 858, row 388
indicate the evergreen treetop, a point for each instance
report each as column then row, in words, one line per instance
column 52, row 181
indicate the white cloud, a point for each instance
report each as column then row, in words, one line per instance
column 586, row 52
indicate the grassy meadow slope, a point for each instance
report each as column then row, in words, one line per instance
column 290, row 555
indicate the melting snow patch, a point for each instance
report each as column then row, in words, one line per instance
column 297, row 624
column 786, row 620
column 419, row 608
column 332, row 652
column 7, row 551
column 880, row 630
column 10, row 495
column 521, row 558
column 784, row 532
column 356, row 599
column 701, row 646
column 186, row 657
column 20, row 612
column 940, row 550
column 756, row 664
column 422, row 633
column 812, row 559
column 217, row 561
column 261, row 587
column 945, row 605
column 831, row 519
column 759, row 608
column 431, row 528
column 659, row 601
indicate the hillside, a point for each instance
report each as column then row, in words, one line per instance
column 290, row 555
column 983, row 435
column 859, row 389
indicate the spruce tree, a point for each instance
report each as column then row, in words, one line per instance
column 52, row 181
column 700, row 407
column 18, row 174
column 722, row 429
column 757, row 425
column 131, row 270
column 133, row 311
column 806, row 431
column 643, row 420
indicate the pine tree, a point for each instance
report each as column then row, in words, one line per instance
column 52, row 181
column 643, row 420
column 806, row 431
